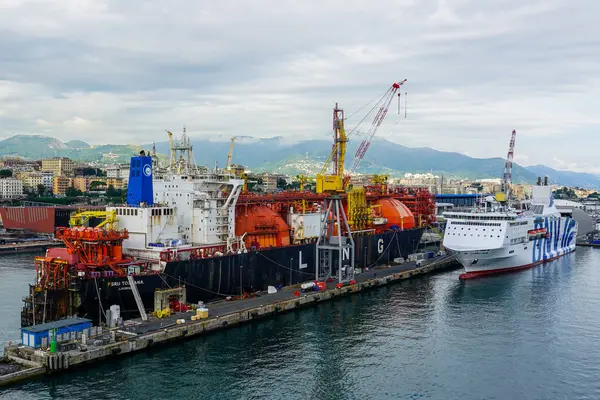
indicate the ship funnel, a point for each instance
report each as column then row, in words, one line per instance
column 539, row 181
column 139, row 189
column 545, row 181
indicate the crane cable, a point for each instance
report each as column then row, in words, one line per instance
column 377, row 104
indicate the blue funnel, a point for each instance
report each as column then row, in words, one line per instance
column 139, row 189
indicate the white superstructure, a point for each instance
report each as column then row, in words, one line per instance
column 193, row 212
column 493, row 238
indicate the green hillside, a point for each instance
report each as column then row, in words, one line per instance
column 307, row 157
column 36, row 147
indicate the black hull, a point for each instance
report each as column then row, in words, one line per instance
column 217, row 278
column 212, row 279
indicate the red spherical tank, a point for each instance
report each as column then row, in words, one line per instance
column 397, row 214
column 263, row 227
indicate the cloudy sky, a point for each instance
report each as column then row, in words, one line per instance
column 123, row 71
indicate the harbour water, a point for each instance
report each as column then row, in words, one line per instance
column 532, row 334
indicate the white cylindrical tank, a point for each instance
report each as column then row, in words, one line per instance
column 115, row 314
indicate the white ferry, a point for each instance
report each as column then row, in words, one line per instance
column 493, row 238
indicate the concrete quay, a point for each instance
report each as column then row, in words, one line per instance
column 23, row 362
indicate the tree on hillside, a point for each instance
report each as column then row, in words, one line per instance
column 87, row 171
column 564, row 193
column 281, row 183
column 5, row 173
column 112, row 192
column 72, row 192
column 41, row 189
column 95, row 184
column 477, row 186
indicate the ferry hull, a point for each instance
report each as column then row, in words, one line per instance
column 477, row 266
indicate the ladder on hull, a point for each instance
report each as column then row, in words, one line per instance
column 137, row 297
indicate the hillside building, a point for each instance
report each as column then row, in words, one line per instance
column 81, row 183
column 59, row 166
column 34, row 179
column 118, row 171
column 11, row 188
column 84, row 183
column 60, row 184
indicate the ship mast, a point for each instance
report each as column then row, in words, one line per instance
column 182, row 158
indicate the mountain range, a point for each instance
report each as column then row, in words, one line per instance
column 280, row 155
column 36, row 147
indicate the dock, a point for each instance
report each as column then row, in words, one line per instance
column 28, row 247
column 23, row 362
column 588, row 244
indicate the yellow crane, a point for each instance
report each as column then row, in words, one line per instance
column 334, row 182
column 83, row 217
column 380, row 180
column 229, row 155
column 302, row 180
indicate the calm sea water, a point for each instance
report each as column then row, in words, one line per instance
column 533, row 334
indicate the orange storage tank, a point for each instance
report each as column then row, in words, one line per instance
column 397, row 214
column 263, row 227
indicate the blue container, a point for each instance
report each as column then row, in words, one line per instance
column 32, row 335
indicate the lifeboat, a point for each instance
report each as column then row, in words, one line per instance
column 538, row 233
column 263, row 227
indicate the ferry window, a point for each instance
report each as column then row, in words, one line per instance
column 135, row 211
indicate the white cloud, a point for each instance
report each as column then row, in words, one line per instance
column 122, row 72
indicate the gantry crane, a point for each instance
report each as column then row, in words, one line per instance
column 334, row 182
column 335, row 243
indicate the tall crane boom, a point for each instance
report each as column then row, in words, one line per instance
column 230, row 155
column 507, row 179
column 384, row 104
column 334, row 182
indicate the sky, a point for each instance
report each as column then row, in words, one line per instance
column 124, row 71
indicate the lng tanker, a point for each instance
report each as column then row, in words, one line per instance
column 186, row 226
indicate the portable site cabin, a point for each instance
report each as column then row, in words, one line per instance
column 40, row 335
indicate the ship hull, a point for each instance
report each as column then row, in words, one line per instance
column 211, row 279
column 217, row 278
column 482, row 263
column 479, row 262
